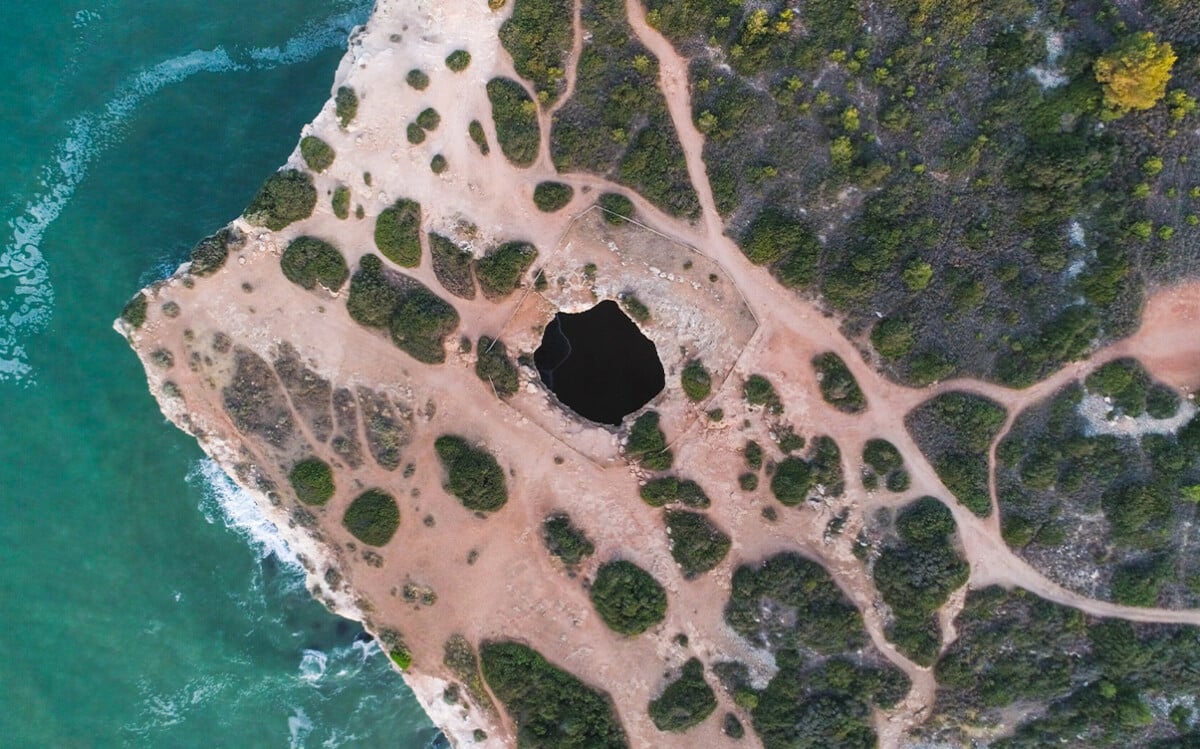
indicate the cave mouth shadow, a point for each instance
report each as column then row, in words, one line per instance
column 599, row 363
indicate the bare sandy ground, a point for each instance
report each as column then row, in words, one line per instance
column 492, row 576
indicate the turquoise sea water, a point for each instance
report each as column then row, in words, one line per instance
column 142, row 601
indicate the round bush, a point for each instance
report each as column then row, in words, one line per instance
column 312, row 480
column 415, row 134
column 473, row 475
column 696, row 381
column 628, row 598
column 552, row 196
column 309, row 261
column 285, row 197
column 317, row 153
column 372, row 517
column 397, row 233
column 429, row 119
column 417, row 79
column 617, row 208
column 458, row 60
column 438, row 164
column 791, row 482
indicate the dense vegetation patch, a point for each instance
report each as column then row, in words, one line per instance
column 209, row 255
column 955, row 431
column 499, row 272
column 666, row 490
column 916, row 575
column 134, row 312
column 565, row 540
column 758, row 391
column 438, row 164
column 452, row 266
column 628, row 598
column 1130, row 390
column 398, row 233
column 414, row 133
column 312, row 480
column 635, row 307
column 417, row 319
column 458, row 60
column 788, row 245
column 372, row 517
column 475, row 130
column 286, row 197
column 309, row 261
column 538, row 36
column 791, row 481
column 345, row 105
column 695, row 380
column 459, row 656
column 617, row 208
column 684, row 702
column 697, row 543
column 552, row 196
column 884, row 460
column 418, row 79
column 551, row 708
column 838, row 386
column 472, row 474
column 647, row 443
column 340, row 202
column 515, row 116
column 493, row 366
column 429, row 119
column 316, row 153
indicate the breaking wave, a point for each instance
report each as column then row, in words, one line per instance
column 225, row 502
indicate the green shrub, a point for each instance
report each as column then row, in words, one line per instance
column 418, row 79
column 458, row 60
column 882, row 455
column 564, row 540
column 340, row 202
column 438, row 164
column 1138, row 583
column 838, row 386
column 753, row 453
column 499, row 272
column 317, row 153
column 1162, row 402
column 475, row 130
column 134, row 312
column 685, row 702
column 774, row 235
column 627, row 598
column 1139, row 515
column 955, row 430
column 209, row 255
column 515, row 116
column 373, row 297
column 635, row 307
column 538, row 35
column 372, row 517
column 286, row 197
column 397, row 233
column 732, row 727
column 473, row 475
column 429, row 119
column 547, row 704
column 309, row 261
column 697, row 544
column 493, row 366
column 414, row 133
column 452, row 266
column 617, row 208
column 312, row 480
column 748, row 482
column 417, row 319
column 792, row 481
column 758, row 391
column 552, row 196
column 893, row 338
column 346, row 105
column 670, row 489
column 696, row 381
column 459, row 656
column 648, row 444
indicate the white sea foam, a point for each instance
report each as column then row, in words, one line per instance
column 27, row 310
column 312, row 665
column 299, row 727
column 235, row 508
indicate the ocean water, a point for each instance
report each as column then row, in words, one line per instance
column 143, row 601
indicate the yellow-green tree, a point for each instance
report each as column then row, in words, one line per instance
column 1134, row 73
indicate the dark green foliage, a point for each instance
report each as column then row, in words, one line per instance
column 374, row 294
column 472, row 474
column 565, row 540
column 732, row 727
column 805, row 608
column 655, row 166
column 758, row 391
column 685, row 702
column 312, row 480
column 1162, row 402
column 696, row 381
column 134, row 312
column 838, row 386
column 550, row 707
column 286, row 197
column 667, row 490
column 697, row 544
column 617, row 208
column 417, row 319
column 499, row 272
column 515, row 116
column 1139, row 515
column 647, row 443
column 753, row 454
column 1139, row 582
column 635, row 307
column 438, row 164
column 458, row 60
column 792, row 481
column 628, row 598
column 882, row 456
column 955, row 430
column 415, row 133
column 418, row 79
column 452, row 266
column 748, row 482
column 317, row 153
column 552, row 196
column 398, row 233
column 475, row 130
column 346, row 105
column 210, row 254
column 340, row 203
column 429, row 119
column 493, row 366
column 1127, row 384
column 918, row 574
column 309, row 261
column 372, row 517
column 775, row 238
column 538, row 36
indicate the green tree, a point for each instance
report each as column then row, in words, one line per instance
column 1134, row 73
